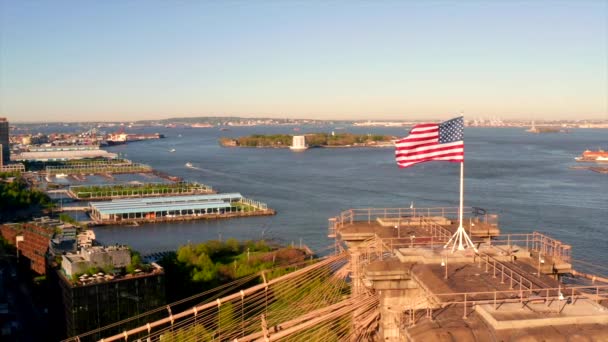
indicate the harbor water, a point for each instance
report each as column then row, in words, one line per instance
column 523, row 177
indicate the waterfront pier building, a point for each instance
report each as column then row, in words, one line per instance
column 175, row 208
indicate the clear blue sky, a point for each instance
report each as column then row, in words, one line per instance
column 128, row 60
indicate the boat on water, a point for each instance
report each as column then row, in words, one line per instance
column 189, row 164
column 61, row 175
column 599, row 156
column 172, row 150
column 201, row 125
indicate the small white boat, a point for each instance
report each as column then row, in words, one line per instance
column 61, row 175
column 172, row 150
column 188, row 164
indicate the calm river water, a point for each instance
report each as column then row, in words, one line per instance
column 523, row 177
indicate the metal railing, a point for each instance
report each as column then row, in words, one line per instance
column 506, row 273
column 537, row 242
column 372, row 214
column 438, row 236
column 523, row 296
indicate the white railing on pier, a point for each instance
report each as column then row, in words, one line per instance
column 256, row 204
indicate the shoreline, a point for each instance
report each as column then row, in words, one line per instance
column 310, row 147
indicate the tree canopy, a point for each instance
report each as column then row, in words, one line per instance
column 17, row 195
column 196, row 267
column 312, row 139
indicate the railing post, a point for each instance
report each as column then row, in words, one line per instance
column 495, row 300
column 494, row 276
column 520, row 283
column 487, row 262
column 464, row 316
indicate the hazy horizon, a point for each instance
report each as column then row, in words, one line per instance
column 427, row 118
column 69, row 61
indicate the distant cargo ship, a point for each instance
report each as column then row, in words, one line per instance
column 546, row 129
column 599, row 156
column 123, row 138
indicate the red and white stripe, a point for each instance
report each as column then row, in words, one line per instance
column 422, row 144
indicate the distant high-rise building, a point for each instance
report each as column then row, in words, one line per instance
column 6, row 157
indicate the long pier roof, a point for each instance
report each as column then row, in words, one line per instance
column 136, row 205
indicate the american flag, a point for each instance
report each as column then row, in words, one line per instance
column 431, row 141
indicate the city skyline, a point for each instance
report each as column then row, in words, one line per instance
column 115, row 61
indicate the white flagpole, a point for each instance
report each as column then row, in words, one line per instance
column 460, row 233
column 460, row 227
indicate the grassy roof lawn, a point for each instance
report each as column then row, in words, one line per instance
column 136, row 189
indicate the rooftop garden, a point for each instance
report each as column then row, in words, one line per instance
column 109, row 272
column 40, row 165
column 136, row 190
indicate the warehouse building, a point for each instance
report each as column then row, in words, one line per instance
column 165, row 208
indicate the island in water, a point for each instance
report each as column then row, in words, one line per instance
column 312, row 140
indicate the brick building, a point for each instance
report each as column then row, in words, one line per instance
column 32, row 241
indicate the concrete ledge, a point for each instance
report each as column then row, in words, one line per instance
column 513, row 316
